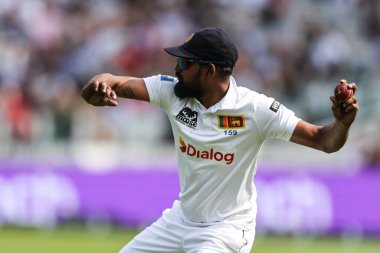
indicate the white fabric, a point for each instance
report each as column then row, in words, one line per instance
column 173, row 234
column 217, row 163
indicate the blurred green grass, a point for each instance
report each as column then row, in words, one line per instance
column 111, row 240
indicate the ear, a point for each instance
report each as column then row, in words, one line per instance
column 211, row 70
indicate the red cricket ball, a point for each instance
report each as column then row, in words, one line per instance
column 342, row 92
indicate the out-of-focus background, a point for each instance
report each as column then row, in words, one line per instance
column 64, row 162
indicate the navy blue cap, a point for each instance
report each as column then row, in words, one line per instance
column 210, row 44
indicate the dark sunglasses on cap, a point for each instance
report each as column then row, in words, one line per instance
column 184, row 63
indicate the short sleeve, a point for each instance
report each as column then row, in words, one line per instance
column 161, row 90
column 274, row 119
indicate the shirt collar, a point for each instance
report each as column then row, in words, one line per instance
column 230, row 99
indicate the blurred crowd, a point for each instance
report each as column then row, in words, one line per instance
column 293, row 50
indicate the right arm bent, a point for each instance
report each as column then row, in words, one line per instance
column 103, row 89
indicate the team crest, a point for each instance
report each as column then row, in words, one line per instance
column 167, row 78
column 231, row 121
column 188, row 117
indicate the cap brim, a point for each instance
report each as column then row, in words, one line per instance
column 180, row 52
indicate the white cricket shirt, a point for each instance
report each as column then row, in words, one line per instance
column 217, row 148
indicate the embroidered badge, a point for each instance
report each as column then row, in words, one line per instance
column 167, row 78
column 231, row 121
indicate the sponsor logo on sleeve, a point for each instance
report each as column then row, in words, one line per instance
column 275, row 106
column 231, row 121
column 188, row 117
column 208, row 154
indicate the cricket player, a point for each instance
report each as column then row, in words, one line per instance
column 219, row 129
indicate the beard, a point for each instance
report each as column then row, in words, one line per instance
column 188, row 90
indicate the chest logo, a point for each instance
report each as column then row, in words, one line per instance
column 188, row 117
column 231, row 121
column 208, row 154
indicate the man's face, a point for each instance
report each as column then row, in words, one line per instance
column 189, row 82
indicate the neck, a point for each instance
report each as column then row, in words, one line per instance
column 214, row 95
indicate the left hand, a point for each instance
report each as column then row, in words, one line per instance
column 345, row 113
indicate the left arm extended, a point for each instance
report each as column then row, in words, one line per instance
column 332, row 137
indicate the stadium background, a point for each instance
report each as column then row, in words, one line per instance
column 50, row 140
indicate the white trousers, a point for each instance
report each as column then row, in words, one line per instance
column 172, row 234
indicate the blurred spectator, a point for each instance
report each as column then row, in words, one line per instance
column 19, row 115
column 292, row 50
column 372, row 158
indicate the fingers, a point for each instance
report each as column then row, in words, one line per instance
column 111, row 93
column 335, row 102
column 101, row 87
column 99, row 93
column 351, row 105
column 353, row 87
column 109, row 96
column 95, row 85
column 109, row 102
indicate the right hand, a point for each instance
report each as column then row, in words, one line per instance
column 345, row 113
column 97, row 92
